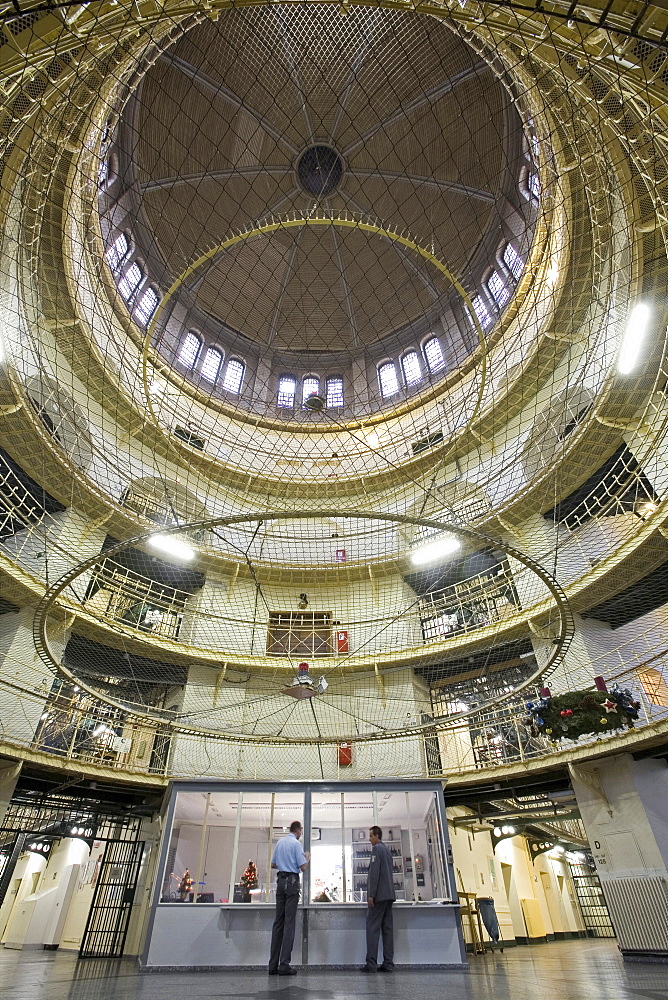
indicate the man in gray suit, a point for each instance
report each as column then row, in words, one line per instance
column 380, row 896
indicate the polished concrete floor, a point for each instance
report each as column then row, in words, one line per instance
column 564, row 970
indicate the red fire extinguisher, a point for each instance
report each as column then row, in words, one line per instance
column 342, row 641
column 345, row 754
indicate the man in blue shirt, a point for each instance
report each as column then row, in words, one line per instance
column 290, row 860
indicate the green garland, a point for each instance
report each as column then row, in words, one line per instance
column 580, row 713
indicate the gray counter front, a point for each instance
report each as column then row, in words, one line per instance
column 211, row 935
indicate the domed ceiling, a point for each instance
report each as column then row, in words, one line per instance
column 382, row 113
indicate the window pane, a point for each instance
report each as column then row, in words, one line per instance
column 189, row 350
column 331, row 851
column 287, row 386
column 334, row 392
column 265, row 818
column 118, row 251
column 481, row 311
column 130, row 280
column 513, row 261
column 387, row 376
column 424, row 869
column 234, row 374
column 184, row 855
column 203, row 849
column 534, row 185
column 310, row 387
column 211, row 365
column 410, row 364
column 434, row 355
column 146, row 305
column 499, row 291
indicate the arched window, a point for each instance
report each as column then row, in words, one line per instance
column 533, row 183
column 387, row 378
column 481, row 311
column 434, row 355
column 147, row 303
column 410, row 365
column 213, row 359
column 310, row 387
column 287, row 387
column 190, row 350
column 498, row 289
column 513, row 261
column 118, row 251
column 234, row 375
column 130, row 281
column 334, row 392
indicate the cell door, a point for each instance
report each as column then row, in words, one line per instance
column 109, row 916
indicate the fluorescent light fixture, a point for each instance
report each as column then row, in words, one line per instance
column 636, row 328
column 171, row 546
column 446, row 545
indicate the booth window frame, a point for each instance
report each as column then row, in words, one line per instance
column 307, row 789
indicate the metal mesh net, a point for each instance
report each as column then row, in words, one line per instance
column 332, row 334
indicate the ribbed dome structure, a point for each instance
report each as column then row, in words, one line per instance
column 332, row 334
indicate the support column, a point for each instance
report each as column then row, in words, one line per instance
column 9, row 775
column 624, row 807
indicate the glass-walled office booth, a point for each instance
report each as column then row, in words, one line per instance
column 215, row 891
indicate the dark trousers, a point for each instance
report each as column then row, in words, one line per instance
column 379, row 918
column 283, row 931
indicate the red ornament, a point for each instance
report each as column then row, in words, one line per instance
column 609, row 706
column 563, row 714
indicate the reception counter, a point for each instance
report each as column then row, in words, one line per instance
column 328, row 934
column 214, row 900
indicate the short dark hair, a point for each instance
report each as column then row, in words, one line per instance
column 295, row 825
column 376, row 831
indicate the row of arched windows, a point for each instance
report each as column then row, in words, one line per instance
column 413, row 366
column 211, row 363
column 497, row 287
column 310, row 386
column 144, row 302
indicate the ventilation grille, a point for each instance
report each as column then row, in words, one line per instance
column 638, row 907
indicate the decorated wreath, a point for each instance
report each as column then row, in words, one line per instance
column 583, row 713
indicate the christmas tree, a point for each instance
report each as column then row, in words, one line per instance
column 249, row 881
column 185, row 885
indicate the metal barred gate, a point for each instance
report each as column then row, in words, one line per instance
column 109, row 916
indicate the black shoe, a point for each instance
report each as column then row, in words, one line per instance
column 366, row 968
column 384, row 968
column 287, row 972
column 272, row 972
